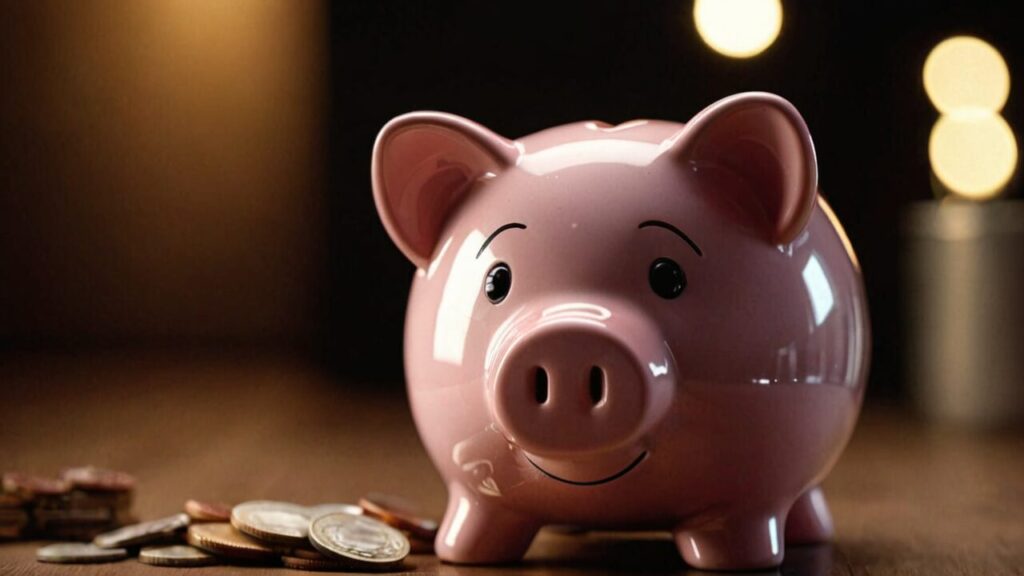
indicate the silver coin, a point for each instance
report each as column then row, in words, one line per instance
column 175, row 555
column 79, row 553
column 321, row 509
column 274, row 521
column 143, row 532
column 358, row 539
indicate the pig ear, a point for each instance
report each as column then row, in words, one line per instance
column 424, row 163
column 764, row 140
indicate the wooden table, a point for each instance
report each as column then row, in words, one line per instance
column 908, row 498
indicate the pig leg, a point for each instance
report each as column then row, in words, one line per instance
column 739, row 541
column 809, row 521
column 478, row 531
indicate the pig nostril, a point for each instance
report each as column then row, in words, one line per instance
column 597, row 385
column 540, row 385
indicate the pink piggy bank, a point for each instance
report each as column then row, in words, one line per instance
column 644, row 326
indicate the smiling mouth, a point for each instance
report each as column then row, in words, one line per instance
column 605, row 480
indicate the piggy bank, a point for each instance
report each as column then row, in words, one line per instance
column 648, row 326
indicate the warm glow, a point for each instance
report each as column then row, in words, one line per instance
column 738, row 28
column 965, row 72
column 973, row 153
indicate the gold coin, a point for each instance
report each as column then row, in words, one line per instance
column 420, row 546
column 200, row 511
column 223, row 539
column 400, row 513
column 307, row 553
column 322, row 564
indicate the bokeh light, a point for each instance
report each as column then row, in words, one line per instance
column 738, row 28
column 972, row 149
column 964, row 72
column 973, row 153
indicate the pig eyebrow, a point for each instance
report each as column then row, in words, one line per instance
column 675, row 231
column 499, row 231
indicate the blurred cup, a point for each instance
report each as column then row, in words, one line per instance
column 964, row 299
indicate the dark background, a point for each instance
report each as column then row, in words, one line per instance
column 196, row 176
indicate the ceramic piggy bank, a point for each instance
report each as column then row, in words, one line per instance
column 644, row 326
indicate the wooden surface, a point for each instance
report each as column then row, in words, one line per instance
column 908, row 498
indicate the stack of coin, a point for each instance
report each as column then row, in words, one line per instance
column 323, row 537
column 13, row 517
column 162, row 540
column 403, row 515
column 81, row 503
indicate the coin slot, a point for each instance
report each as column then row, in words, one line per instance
column 540, row 385
column 597, row 385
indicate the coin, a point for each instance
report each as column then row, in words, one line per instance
column 13, row 516
column 78, row 553
column 308, row 553
column 143, row 532
column 57, row 517
column 419, row 546
column 13, row 522
column 175, row 555
column 358, row 538
column 83, row 533
column 223, row 539
column 321, row 509
column 321, row 564
column 27, row 486
column 279, row 522
column 80, row 499
column 400, row 513
column 100, row 479
column 200, row 511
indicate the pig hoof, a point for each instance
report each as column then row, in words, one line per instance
column 478, row 532
column 809, row 521
column 733, row 544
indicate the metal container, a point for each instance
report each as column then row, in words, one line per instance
column 964, row 300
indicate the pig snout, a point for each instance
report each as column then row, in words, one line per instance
column 581, row 379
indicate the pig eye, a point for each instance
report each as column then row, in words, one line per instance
column 667, row 279
column 499, row 281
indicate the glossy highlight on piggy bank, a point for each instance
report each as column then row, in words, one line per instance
column 644, row 326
